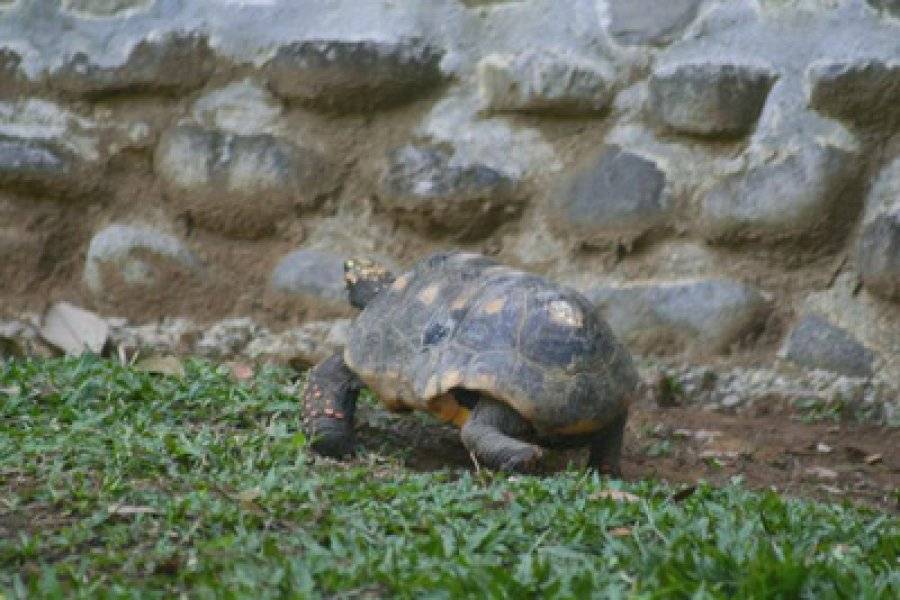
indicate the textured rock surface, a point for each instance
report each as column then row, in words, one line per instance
column 172, row 65
column 301, row 347
column 650, row 22
column 348, row 76
column 546, row 82
column 634, row 141
column 228, row 337
column 618, row 194
column 816, row 343
column 47, row 149
column 797, row 192
column 701, row 316
column 878, row 252
column 242, row 107
column 137, row 256
column 870, row 320
column 710, row 99
column 312, row 274
column 241, row 185
column 429, row 193
column 891, row 6
column 103, row 8
column 863, row 92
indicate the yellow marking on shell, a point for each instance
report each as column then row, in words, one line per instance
column 482, row 382
column 564, row 313
column 579, row 427
column 494, row 306
column 428, row 295
column 447, row 409
column 450, row 380
column 431, row 387
column 400, row 283
column 460, row 303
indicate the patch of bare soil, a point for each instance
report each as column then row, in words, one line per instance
column 826, row 461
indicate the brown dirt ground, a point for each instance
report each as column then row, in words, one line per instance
column 827, row 461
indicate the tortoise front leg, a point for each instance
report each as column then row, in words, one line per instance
column 329, row 405
column 494, row 434
column 606, row 447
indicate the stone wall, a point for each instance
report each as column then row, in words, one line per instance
column 721, row 177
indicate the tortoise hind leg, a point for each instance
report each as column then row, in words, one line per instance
column 606, row 447
column 494, row 434
column 329, row 406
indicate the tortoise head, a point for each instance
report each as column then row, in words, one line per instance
column 365, row 279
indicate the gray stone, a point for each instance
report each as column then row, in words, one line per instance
column 228, row 337
column 162, row 337
column 815, row 343
column 240, row 107
column 338, row 75
column 240, row 185
column 650, row 22
column 618, row 194
column 700, row 317
column 545, row 82
column 433, row 196
column 139, row 256
column 33, row 164
column 47, row 150
column 47, row 124
column 731, row 402
column 302, row 347
column 173, row 65
column 862, row 92
column 74, row 330
column 891, row 6
column 710, row 99
column 511, row 149
column 104, row 8
column 878, row 251
column 797, row 193
column 879, row 256
column 313, row 274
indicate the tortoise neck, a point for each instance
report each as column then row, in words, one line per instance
column 366, row 286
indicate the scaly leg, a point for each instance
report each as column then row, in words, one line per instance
column 494, row 434
column 329, row 406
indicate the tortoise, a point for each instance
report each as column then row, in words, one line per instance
column 519, row 363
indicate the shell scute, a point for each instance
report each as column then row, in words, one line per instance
column 541, row 348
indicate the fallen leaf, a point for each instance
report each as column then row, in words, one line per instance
column 74, row 330
column 620, row 531
column 617, row 495
column 240, row 371
column 249, row 495
column 125, row 510
column 701, row 435
column 822, row 473
column 161, row 365
column 873, row 459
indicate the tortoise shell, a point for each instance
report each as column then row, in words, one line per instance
column 461, row 321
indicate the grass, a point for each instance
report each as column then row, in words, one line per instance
column 116, row 483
